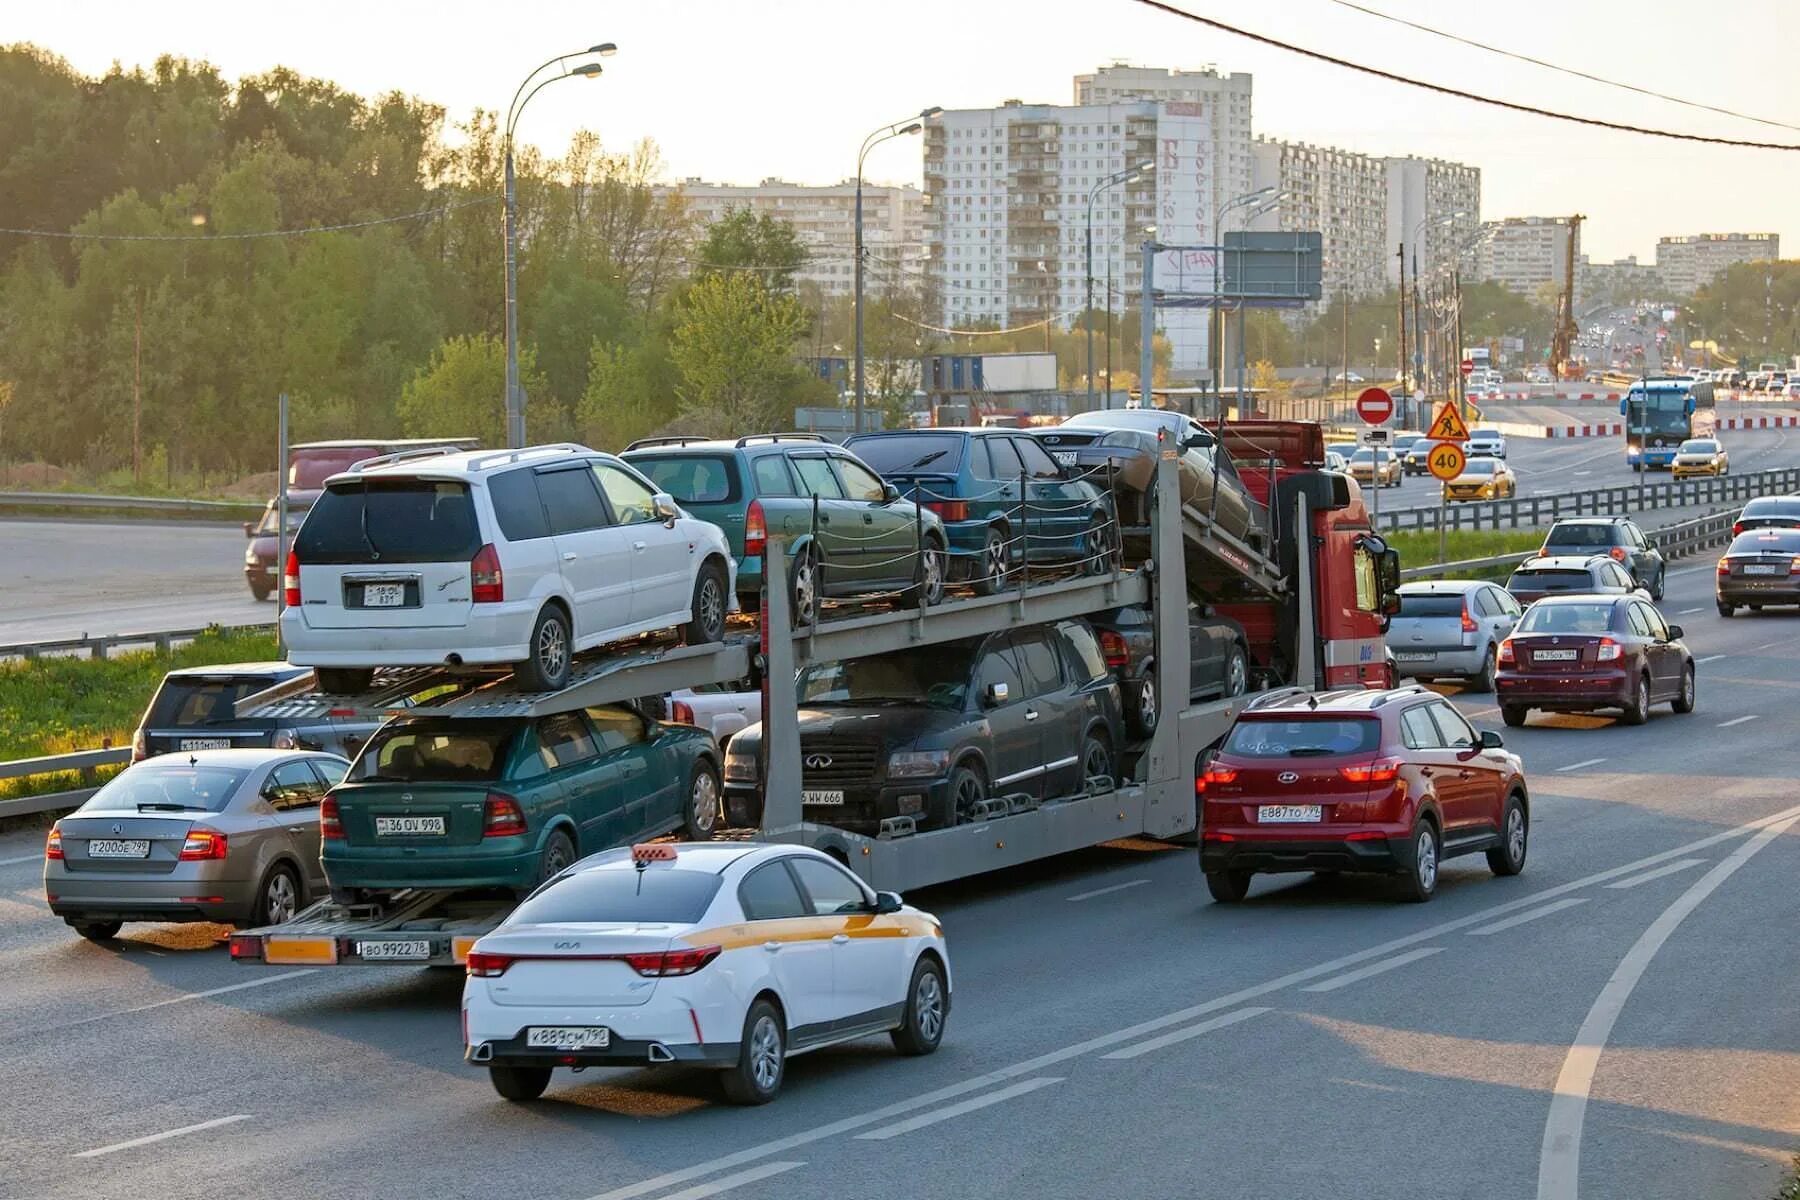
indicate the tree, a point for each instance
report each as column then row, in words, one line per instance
column 631, row 393
column 752, row 243
column 1752, row 310
column 461, row 392
column 735, row 344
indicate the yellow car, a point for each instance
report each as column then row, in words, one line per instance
column 1382, row 471
column 1483, row 479
column 1701, row 456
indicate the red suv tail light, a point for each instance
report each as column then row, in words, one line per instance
column 672, row 962
column 1505, row 657
column 1112, row 645
column 484, row 965
column 501, row 816
column 290, row 581
column 949, row 510
column 1608, row 651
column 1213, row 774
column 756, row 531
column 1382, row 770
column 486, row 584
column 331, row 825
column 1468, row 622
column 1618, row 553
column 203, row 844
column 53, row 844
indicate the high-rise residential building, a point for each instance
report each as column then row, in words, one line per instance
column 1526, row 254
column 1342, row 195
column 824, row 219
column 1439, row 202
column 1690, row 263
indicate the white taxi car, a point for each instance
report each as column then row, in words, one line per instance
column 706, row 954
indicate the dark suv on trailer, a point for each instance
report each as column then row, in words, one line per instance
column 937, row 734
column 197, row 708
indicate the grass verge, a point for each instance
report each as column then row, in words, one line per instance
column 1421, row 549
column 1790, row 1188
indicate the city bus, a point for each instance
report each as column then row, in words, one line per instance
column 1659, row 415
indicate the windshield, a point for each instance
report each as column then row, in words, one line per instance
column 1766, row 542
column 271, row 521
column 192, row 700
column 690, row 478
column 892, row 453
column 390, row 521
column 1485, row 435
column 1366, row 456
column 1550, row 581
column 1260, row 737
column 1150, row 419
column 309, row 469
column 1664, row 411
column 656, row 895
column 1566, row 618
column 1582, row 535
column 435, row 752
column 935, row 678
column 1430, row 604
column 1772, row 506
column 168, row 784
column 1699, row 446
column 1479, row 466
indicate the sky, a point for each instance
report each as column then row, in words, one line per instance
column 735, row 91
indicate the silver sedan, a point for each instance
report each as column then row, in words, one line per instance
column 213, row 835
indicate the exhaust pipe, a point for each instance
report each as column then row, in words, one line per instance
column 453, row 660
column 660, row 1053
column 482, row 1053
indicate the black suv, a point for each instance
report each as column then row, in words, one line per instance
column 196, row 708
column 937, row 734
column 1618, row 538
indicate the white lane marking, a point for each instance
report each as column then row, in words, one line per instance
column 1380, row 968
column 183, row 999
column 1688, row 611
column 1180, row 1017
column 164, row 1136
column 1554, row 906
column 955, row 1110
column 1586, row 762
column 1559, row 1163
column 1772, row 645
column 1738, row 721
column 1710, row 658
column 1680, row 864
column 754, row 1174
column 25, row 858
column 1182, row 1035
column 1117, row 887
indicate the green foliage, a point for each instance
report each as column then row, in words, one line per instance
column 462, row 392
column 1752, row 311
column 630, row 394
column 1420, row 549
column 734, row 344
column 752, row 243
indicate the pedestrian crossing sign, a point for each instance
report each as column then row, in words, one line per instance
column 1448, row 426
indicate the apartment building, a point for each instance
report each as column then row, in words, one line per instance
column 1439, row 202
column 1341, row 194
column 1690, row 263
column 1526, row 254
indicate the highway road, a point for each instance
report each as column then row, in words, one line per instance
column 1617, row 1021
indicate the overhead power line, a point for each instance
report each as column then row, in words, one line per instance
column 1557, row 67
column 1054, row 317
column 71, row 235
column 1441, row 89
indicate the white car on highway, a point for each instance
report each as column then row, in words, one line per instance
column 514, row 557
column 1485, row 443
column 733, row 957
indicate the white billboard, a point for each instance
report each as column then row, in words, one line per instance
column 1186, row 163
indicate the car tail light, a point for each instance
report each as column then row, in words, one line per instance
column 1218, row 774
column 245, row 946
column 1618, row 553
column 290, row 581
column 949, row 510
column 672, row 962
column 1608, row 651
column 331, row 825
column 756, row 531
column 486, row 584
column 1794, row 566
column 483, row 965
column 203, row 844
column 681, row 712
column 501, row 816
column 1725, row 566
column 1382, row 770
column 1737, row 527
column 1112, row 644
column 1468, row 622
column 1505, row 656
column 53, row 844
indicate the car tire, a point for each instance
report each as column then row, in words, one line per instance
column 1508, row 858
column 1656, row 593
column 259, row 594
column 1638, row 710
column 96, row 931
column 1727, row 610
column 558, row 852
column 1097, row 759
column 927, row 1008
column 279, row 894
column 700, row 819
column 994, row 567
column 1684, row 702
column 1237, row 673
column 762, row 1057
column 344, row 681
column 803, row 589
column 1421, row 878
column 967, row 788
column 519, row 1084
column 928, row 589
column 707, row 613
column 1102, row 548
column 1483, row 681
column 550, row 649
column 1228, row 887
column 1514, row 715
column 1141, row 711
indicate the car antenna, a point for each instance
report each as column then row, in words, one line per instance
column 1312, row 702
column 193, row 760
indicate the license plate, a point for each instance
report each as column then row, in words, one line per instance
column 407, row 951
column 384, row 595
column 1765, row 569
column 1065, row 457
column 1289, row 814
column 1555, row 655
column 206, row 743
column 1415, row 655
column 569, row 1037
column 386, row 826
column 119, row 848
column 812, row 797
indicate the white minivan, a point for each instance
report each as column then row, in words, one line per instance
column 510, row 557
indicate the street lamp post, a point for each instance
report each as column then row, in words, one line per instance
column 885, row 133
column 1260, row 212
column 515, row 400
column 1218, row 316
column 1128, row 175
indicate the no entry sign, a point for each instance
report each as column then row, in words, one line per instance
column 1374, row 405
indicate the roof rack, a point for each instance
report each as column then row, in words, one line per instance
column 782, row 437
column 1411, row 688
column 399, row 456
column 646, row 443
column 513, row 456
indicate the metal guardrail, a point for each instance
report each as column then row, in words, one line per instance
column 223, row 509
column 97, row 647
column 84, row 761
column 1529, row 512
column 1675, row 540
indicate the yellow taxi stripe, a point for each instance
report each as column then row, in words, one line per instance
column 812, row 929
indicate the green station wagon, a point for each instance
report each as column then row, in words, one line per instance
column 867, row 538
column 506, row 802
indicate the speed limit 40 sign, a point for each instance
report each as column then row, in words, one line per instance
column 1446, row 460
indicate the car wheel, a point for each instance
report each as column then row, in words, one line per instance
column 1228, row 887
column 278, row 899
column 1513, row 715
column 519, row 1083
column 1102, row 547
column 1638, row 710
column 993, row 568
column 344, row 681
column 261, row 593
column 702, row 815
column 1684, row 703
column 1237, row 672
column 927, row 1006
column 97, row 931
column 1422, row 872
column 558, row 853
column 1483, row 680
column 1727, row 610
column 708, row 610
column 762, row 1058
column 1096, row 759
column 929, row 587
column 1508, row 858
column 1656, row 593
column 804, row 589
column 967, row 790
column 547, row 670
column 1140, row 706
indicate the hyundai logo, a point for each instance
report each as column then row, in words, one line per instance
column 1289, row 777
column 818, row 762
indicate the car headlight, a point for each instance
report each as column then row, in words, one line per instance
column 250, row 558
column 918, row 764
column 740, row 766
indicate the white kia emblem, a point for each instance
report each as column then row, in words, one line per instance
column 818, row 762
column 1289, row 777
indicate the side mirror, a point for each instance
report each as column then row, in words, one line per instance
column 665, row 507
column 1491, row 740
column 887, row 902
column 1675, row 632
column 889, row 493
column 249, row 529
column 1650, row 542
column 997, row 694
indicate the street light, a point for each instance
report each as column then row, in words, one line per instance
column 515, row 400
column 1273, row 197
column 1128, row 175
column 886, row 132
column 1408, row 385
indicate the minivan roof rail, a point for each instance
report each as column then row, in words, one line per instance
column 782, row 437
column 482, row 462
column 684, row 439
column 398, row 456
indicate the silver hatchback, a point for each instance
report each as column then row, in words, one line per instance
column 211, row 835
column 1451, row 627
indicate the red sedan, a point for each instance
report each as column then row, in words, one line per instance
column 1582, row 653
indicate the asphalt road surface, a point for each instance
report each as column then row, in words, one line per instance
column 1617, row 1021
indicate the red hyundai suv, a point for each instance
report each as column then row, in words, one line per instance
column 1387, row 782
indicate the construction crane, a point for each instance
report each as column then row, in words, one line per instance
column 1567, row 329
